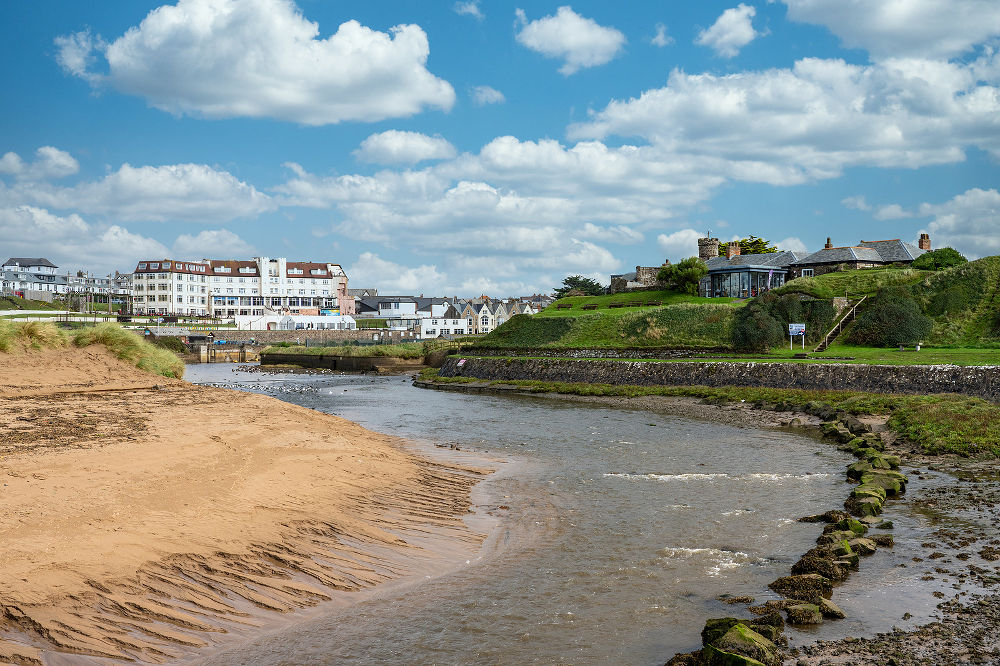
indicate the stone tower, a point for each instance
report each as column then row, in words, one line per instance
column 708, row 248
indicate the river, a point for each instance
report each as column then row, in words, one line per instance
column 619, row 529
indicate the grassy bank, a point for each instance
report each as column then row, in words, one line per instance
column 16, row 337
column 18, row 303
column 572, row 306
column 940, row 423
column 853, row 283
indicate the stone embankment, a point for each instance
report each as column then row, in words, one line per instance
column 377, row 364
column 979, row 381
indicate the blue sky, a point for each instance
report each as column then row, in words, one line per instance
column 471, row 147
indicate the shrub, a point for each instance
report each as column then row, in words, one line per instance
column 763, row 323
column 755, row 330
column 683, row 277
column 893, row 319
column 951, row 300
column 946, row 257
column 174, row 344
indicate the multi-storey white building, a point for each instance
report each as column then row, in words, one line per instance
column 256, row 287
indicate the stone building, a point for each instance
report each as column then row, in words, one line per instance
column 644, row 277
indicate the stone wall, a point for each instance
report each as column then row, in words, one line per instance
column 982, row 382
column 618, row 352
column 302, row 335
column 378, row 364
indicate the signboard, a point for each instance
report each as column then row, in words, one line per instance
column 796, row 329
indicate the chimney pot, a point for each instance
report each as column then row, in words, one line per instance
column 733, row 249
column 828, row 244
column 925, row 242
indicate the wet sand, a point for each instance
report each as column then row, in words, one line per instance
column 145, row 518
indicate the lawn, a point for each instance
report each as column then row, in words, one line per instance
column 17, row 303
column 602, row 302
column 852, row 283
column 882, row 356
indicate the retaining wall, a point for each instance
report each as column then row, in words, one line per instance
column 980, row 381
column 300, row 336
column 379, row 364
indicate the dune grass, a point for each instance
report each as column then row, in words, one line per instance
column 127, row 346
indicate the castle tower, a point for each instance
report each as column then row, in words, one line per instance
column 708, row 248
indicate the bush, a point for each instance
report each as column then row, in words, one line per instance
column 174, row 344
column 763, row 323
column 683, row 277
column 755, row 330
column 893, row 319
column 946, row 257
column 951, row 300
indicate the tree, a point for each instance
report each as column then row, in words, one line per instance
column 946, row 257
column 750, row 245
column 683, row 277
column 893, row 319
column 585, row 286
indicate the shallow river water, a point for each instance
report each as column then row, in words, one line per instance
column 623, row 527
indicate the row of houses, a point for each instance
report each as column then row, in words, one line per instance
column 38, row 278
column 446, row 316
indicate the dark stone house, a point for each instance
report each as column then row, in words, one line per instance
column 866, row 254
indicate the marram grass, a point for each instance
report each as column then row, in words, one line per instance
column 127, row 346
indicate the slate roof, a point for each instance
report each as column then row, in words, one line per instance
column 781, row 259
column 628, row 277
column 838, row 255
column 29, row 261
column 894, row 250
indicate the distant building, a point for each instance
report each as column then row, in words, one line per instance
column 31, row 277
column 866, row 254
column 644, row 277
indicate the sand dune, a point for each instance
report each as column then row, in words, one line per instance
column 144, row 517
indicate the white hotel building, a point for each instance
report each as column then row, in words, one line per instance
column 261, row 286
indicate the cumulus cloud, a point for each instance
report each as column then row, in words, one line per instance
column 969, row 222
column 396, row 147
column 613, row 234
column 680, row 244
column 661, row 38
column 211, row 243
column 70, row 242
column 263, row 59
column 580, row 42
column 469, row 8
column 189, row 192
column 856, row 202
column 396, row 278
column 483, row 95
column 904, row 28
column 731, row 31
column 792, row 244
column 787, row 126
column 892, row 212
column 49, row 163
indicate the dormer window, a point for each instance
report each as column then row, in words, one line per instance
column 154, row 265
column 142, row 267
column 223, row 269
column 247, row 269
column 295, row 271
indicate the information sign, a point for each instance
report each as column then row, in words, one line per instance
column 796, row 329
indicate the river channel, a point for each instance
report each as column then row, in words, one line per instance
column 619, row 529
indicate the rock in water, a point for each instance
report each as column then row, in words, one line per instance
column 829, row 609
column 804, row 614
column 805, row 587
column 741, row 645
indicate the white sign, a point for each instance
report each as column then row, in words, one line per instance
column 796, row 329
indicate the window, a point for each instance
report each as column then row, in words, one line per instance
column 154, row 265
column 247, row 269
column 807, row 272
column 295, row 271
column 166, row 264
column 223, row 269
column 142, row 267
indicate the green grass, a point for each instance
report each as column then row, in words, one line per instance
column 938, row 424
column 964, row 302
column 702, row 324
column 127, row 346
column 853, row 283
column 882, row 356
column 17, row 303
column 371, row 323
column 602, row 302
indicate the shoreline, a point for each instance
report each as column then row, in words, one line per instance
column 166, row 522
column 967, row 619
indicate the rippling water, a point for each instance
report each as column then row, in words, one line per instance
column 622, row 529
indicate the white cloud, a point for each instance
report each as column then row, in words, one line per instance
column 969, row 222
column 395, row 278
column 787, row 126
column 211, row 243
column 680, row 244
column 396, row 147
column 792, row 244
column 892, row 212
column 580, row 42
column 191, row 192
column 907, row 28
column 661, row 38
column 263, row 59
column 483, row 95
column 731, row 31
column 613, row 234
column 49, row 163
column 469, row 8
column 856, row 202
column 72, row 243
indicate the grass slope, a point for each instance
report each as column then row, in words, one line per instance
column 602, row 302
column 852, row 283
column 964, row 302
column 129, row 347
column 17, row 303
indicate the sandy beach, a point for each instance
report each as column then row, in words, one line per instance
column 145, row 518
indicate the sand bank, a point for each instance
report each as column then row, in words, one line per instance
column 145, row 517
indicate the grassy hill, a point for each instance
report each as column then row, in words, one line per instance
column 624, row 300
column 964, row 302
column 852, row 283
column 18, row 303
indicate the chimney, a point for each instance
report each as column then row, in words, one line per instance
column 925, row 242
column 708, row 248
column 733, row 249
column 828, row 244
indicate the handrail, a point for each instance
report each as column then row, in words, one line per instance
column 838, row 327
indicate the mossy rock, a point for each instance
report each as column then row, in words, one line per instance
column 743, row 642
column 862, row 546
column 863, row 506
column 834, row 537
column 769, row 632
column 879, row 461
column 831, row 610
column 807, row 587
column 883, row 540
column 869, row 490
column 830, row 428
column 865, row 453
column 826, row 567
column 842, row 548
column 804, row 614
column 894, row 483
column 855, row 425
column 716, row 627
column 874, row 441
column 852, row 525
column 713, row 656
column 858, row 469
